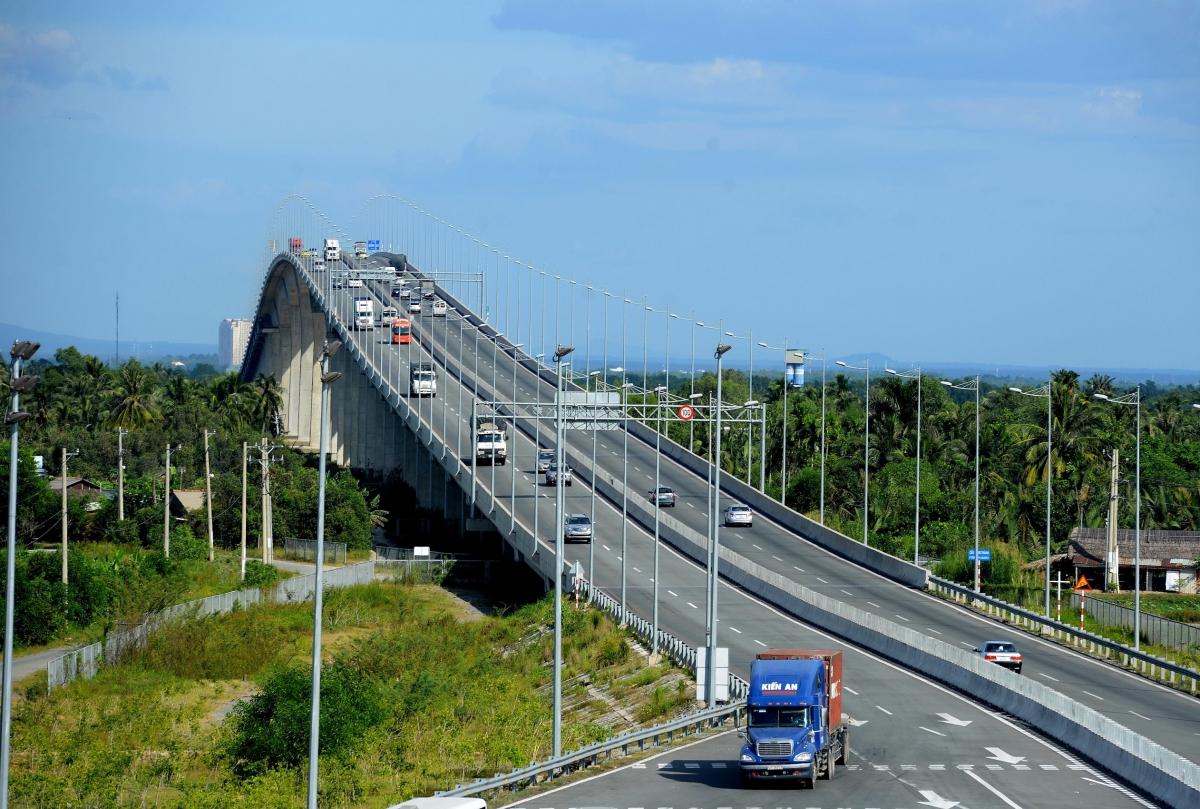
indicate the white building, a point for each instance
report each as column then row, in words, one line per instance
column 232, row 339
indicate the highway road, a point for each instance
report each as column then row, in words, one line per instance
column 901, row 711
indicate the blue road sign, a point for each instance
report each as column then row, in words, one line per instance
column 985, row 554
column 372, row 245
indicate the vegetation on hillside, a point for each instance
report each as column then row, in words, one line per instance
column 222, row 713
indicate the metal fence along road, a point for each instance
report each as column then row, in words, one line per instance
column 85, row 662
column 1155, row 629
column 306, row 550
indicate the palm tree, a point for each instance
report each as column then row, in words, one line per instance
column 136, row 398
column 268, row 403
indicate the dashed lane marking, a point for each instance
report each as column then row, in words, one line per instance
column 876, row 606
column 901, row 617
column 1090, row 694
column 885, row 710
column 672, row 592
column 602, row 545
column 822, row 580
column 690, row 604
column 1138, row 715
column 927, row 730
column 760, row 643
column 934, row 631
column 847, row 592
column 798, row 568
column 736, row 630
column 1048, row 677
column 777, row 559
column 851, row 690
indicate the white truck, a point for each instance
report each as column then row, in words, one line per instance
column 491, row 444
column 364, row 313
column 360, row 249
column 388, row 315
column 422, row 379
column 333, row 251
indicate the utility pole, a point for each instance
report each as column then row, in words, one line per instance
column 167, row 506
column 208, row 494
column 1112, row 560
column 245, row 450
column 121, row 473
column 265, row 532
column 65, row 455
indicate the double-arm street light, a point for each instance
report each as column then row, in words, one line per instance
column 1135, row 400
column 975, row 387
column 714, row 544
column 21, row 352
column 917, row 509
column 866, row 366
column 1045, row 393
column 314, row 733
column 748, row 336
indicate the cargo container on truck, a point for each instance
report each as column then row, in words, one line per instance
column 364, row 313
column 795, row 728
column 333, row 251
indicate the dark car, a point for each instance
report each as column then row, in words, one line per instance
column 1002, row 653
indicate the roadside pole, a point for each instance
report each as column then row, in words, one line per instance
column 208, row 494
column 245, row 451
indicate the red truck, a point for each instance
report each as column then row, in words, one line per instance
column 296, row 246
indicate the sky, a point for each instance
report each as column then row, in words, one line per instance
column 1011, row 183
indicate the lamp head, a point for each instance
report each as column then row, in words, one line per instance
column 561, row 352
column 15, row 417
column 332, row 376
column 890, row 371
column 839, row 362
column 24, row 349
column 1100, row 396
column 947, row 384
column 660, row 388
column 594, row 373
column 722, row 348
column 750, row 403
column 1016, row 390
column 1197, row 406
column 332, row 347
column 701, row 395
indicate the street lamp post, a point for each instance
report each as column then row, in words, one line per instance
column 714, row 556
column 1039, row 393
column 1135, row 399
column 866, row 366
column 21, row 351
column 314, row 732
column 975, row 387
column 917, row 508
column 749, row 336
column 783, row 462
column 559, row 496
column 658, row 393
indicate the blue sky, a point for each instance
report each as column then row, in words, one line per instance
column 1012, row 183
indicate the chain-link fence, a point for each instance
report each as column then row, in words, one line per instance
column 306, row 550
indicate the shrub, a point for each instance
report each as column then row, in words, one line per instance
column 186, row 546
column 259, row 574
column 271, row 728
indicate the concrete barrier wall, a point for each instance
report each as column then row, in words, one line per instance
column 870, row 558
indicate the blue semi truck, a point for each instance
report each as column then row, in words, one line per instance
column 795, row 730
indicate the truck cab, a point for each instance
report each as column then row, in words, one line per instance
column 364, row 313
column 422, row 380
column 333, row 251
column 388, row 315
column 794, row 729
column 490, row 444
column 360, row 249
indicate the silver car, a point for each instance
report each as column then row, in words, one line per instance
column 1000, row 652
column 578, row 528
column 545, row 458
column 738, row 514
column 664, row 497
column 552, row 475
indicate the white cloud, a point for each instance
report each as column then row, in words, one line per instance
column 49, row 58
column 1114, row 102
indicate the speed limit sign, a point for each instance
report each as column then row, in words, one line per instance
column 686, row 412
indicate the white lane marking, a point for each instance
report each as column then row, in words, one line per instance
column 847, row 592
column 934, row 631
column 651, row 578
column 822, row 580
column 689, row 505
column 885, row 710
column 760, row 643
column 602, row 545
column 927, row 730
column 876, row 606
column 673, row 593
column 776, row 558
column 901, row 617
column 1048, row 677
column 964, row 643
column 619, row 559
column 851, row 690
column 993, row 790
column 1090, row 694
column 1135, row 713
column 690, row 604
column 736, row 630
column 798, row 568
column 638, row 569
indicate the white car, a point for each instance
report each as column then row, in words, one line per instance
column 738, row 514
column 665, row 496
column 577, row 528
column 545, row 458
column 439, row 308
column 414, row 306
column 1000, row 652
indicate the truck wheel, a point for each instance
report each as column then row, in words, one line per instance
column 845, row 754
column 831, row 771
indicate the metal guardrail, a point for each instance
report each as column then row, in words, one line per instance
column 590, row 755
column 306, row 549
column 1155, row 629
column 1151, row 665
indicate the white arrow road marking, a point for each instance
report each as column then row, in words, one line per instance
column 935, row 800
column 993, row 790
column 857, row 722
column 950, row 720
column 927, row 730
column 999, row 755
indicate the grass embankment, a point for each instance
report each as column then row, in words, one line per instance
column 1176, row 606
column 415, row 695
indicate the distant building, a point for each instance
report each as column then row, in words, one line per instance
column 1169, row 558
column 232, row 340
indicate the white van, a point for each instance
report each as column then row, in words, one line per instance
column 439, row 308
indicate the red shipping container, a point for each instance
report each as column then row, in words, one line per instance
column 833, row 674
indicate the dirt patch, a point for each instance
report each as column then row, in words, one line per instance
column 226, row 695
